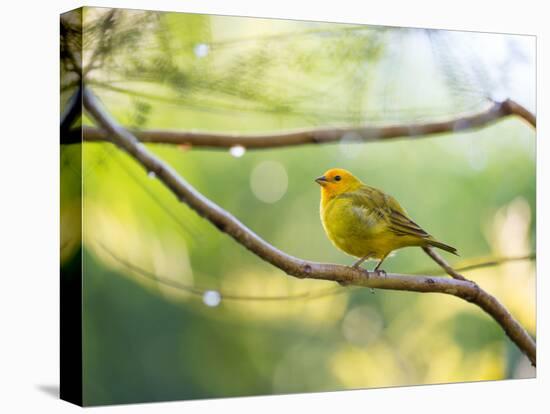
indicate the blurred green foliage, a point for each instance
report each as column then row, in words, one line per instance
column 145, row 341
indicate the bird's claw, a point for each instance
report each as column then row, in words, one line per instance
column 381, row 273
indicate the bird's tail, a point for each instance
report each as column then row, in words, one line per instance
column 442, row 246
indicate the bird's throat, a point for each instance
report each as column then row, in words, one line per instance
column 327, row 195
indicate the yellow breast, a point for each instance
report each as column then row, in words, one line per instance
column 355, row 230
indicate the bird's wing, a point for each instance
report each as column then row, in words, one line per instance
column 400, row 223
column 368, row 207
column 386, row 208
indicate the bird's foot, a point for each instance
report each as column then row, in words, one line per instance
column 357, row 263
column 381, row 273
column 361, row 269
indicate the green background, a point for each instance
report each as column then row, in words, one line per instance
column 147, row 341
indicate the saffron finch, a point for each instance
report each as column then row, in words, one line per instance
column 365, row 222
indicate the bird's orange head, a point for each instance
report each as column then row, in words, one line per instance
column 337, row 181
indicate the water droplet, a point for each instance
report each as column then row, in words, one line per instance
column 237, row 151
column 211, row 298
column 201, row 50
column 151, row 174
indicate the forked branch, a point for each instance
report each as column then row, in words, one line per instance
column 293, row 266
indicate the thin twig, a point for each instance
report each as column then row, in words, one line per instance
column 107, row 22
column 296, row 267
column 493, row 113
column 443, row 263
column 197, row 291
column 495, row 262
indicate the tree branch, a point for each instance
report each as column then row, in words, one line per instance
column 515, row 108
column 293, row 266
column 443, row 263
column 73, row 110
column 197, row 291
column 495, row 112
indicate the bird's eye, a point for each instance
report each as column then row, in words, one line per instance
column 337, row 178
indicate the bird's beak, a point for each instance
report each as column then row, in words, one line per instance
column 321, row 180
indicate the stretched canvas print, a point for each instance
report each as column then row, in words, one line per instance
column 256, row 206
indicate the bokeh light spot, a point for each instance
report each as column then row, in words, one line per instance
column 211, row 298
column 237, row 151
column 349, row 144
column 269, row 181
column 362, row 325
column 201, row 50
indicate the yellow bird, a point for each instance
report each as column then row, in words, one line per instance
column 365, row 222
